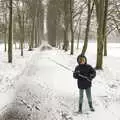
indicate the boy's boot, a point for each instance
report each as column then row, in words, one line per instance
column 80, row 108
column 91, row 107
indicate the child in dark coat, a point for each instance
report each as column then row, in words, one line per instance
column 84, row 73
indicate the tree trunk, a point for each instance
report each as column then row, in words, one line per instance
column 21, row 32
column 10, row 33
column 42, row 25
column 36, row 32
column 5, row 41
column 71, row 27
column 79, row 34
column 39, row 40
column 5, row 32
column 99, row 49
column 51, row 23
column 22, row 36
column 66, row 25
column 21, row 27
column 32, row 35
column 104, row 28
column 105, row 46
column 66, row 42
column 100, row 20
column 87, row 27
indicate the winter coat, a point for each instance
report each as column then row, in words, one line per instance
column 87, row 71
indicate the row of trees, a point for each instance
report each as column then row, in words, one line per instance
column 68, row 18
column 67, row 21
column 21, row 21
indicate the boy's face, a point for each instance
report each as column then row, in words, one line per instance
column 82, row 60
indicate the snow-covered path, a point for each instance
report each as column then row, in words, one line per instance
column 36, row 80
column 61, row 80
column 47, row 91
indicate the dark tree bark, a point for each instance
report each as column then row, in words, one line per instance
column 66, row 25
column 71, row 27
column 32, row 35
column 10, row 33
column 104, row 27
column 51, row 22
column 5, row 32
column 21, row 26
column 79, row 33
column 90, row 9
column 100, row 40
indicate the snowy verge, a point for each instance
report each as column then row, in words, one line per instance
column 9, row 74
column 8, row 71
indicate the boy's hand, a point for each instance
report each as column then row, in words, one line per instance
column 92, row 76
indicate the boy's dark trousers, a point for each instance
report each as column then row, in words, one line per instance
column 88, row 94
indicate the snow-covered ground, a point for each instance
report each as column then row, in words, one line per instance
column 38, row 87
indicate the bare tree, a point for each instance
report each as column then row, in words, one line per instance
column 90, row 9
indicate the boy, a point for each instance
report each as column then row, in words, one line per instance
column 84, row 73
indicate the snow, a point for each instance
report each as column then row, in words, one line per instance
column 39, row 87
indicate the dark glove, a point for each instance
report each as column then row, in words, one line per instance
column 75, row 74
column 91, row 76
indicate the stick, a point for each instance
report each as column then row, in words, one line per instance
column 69, row 69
